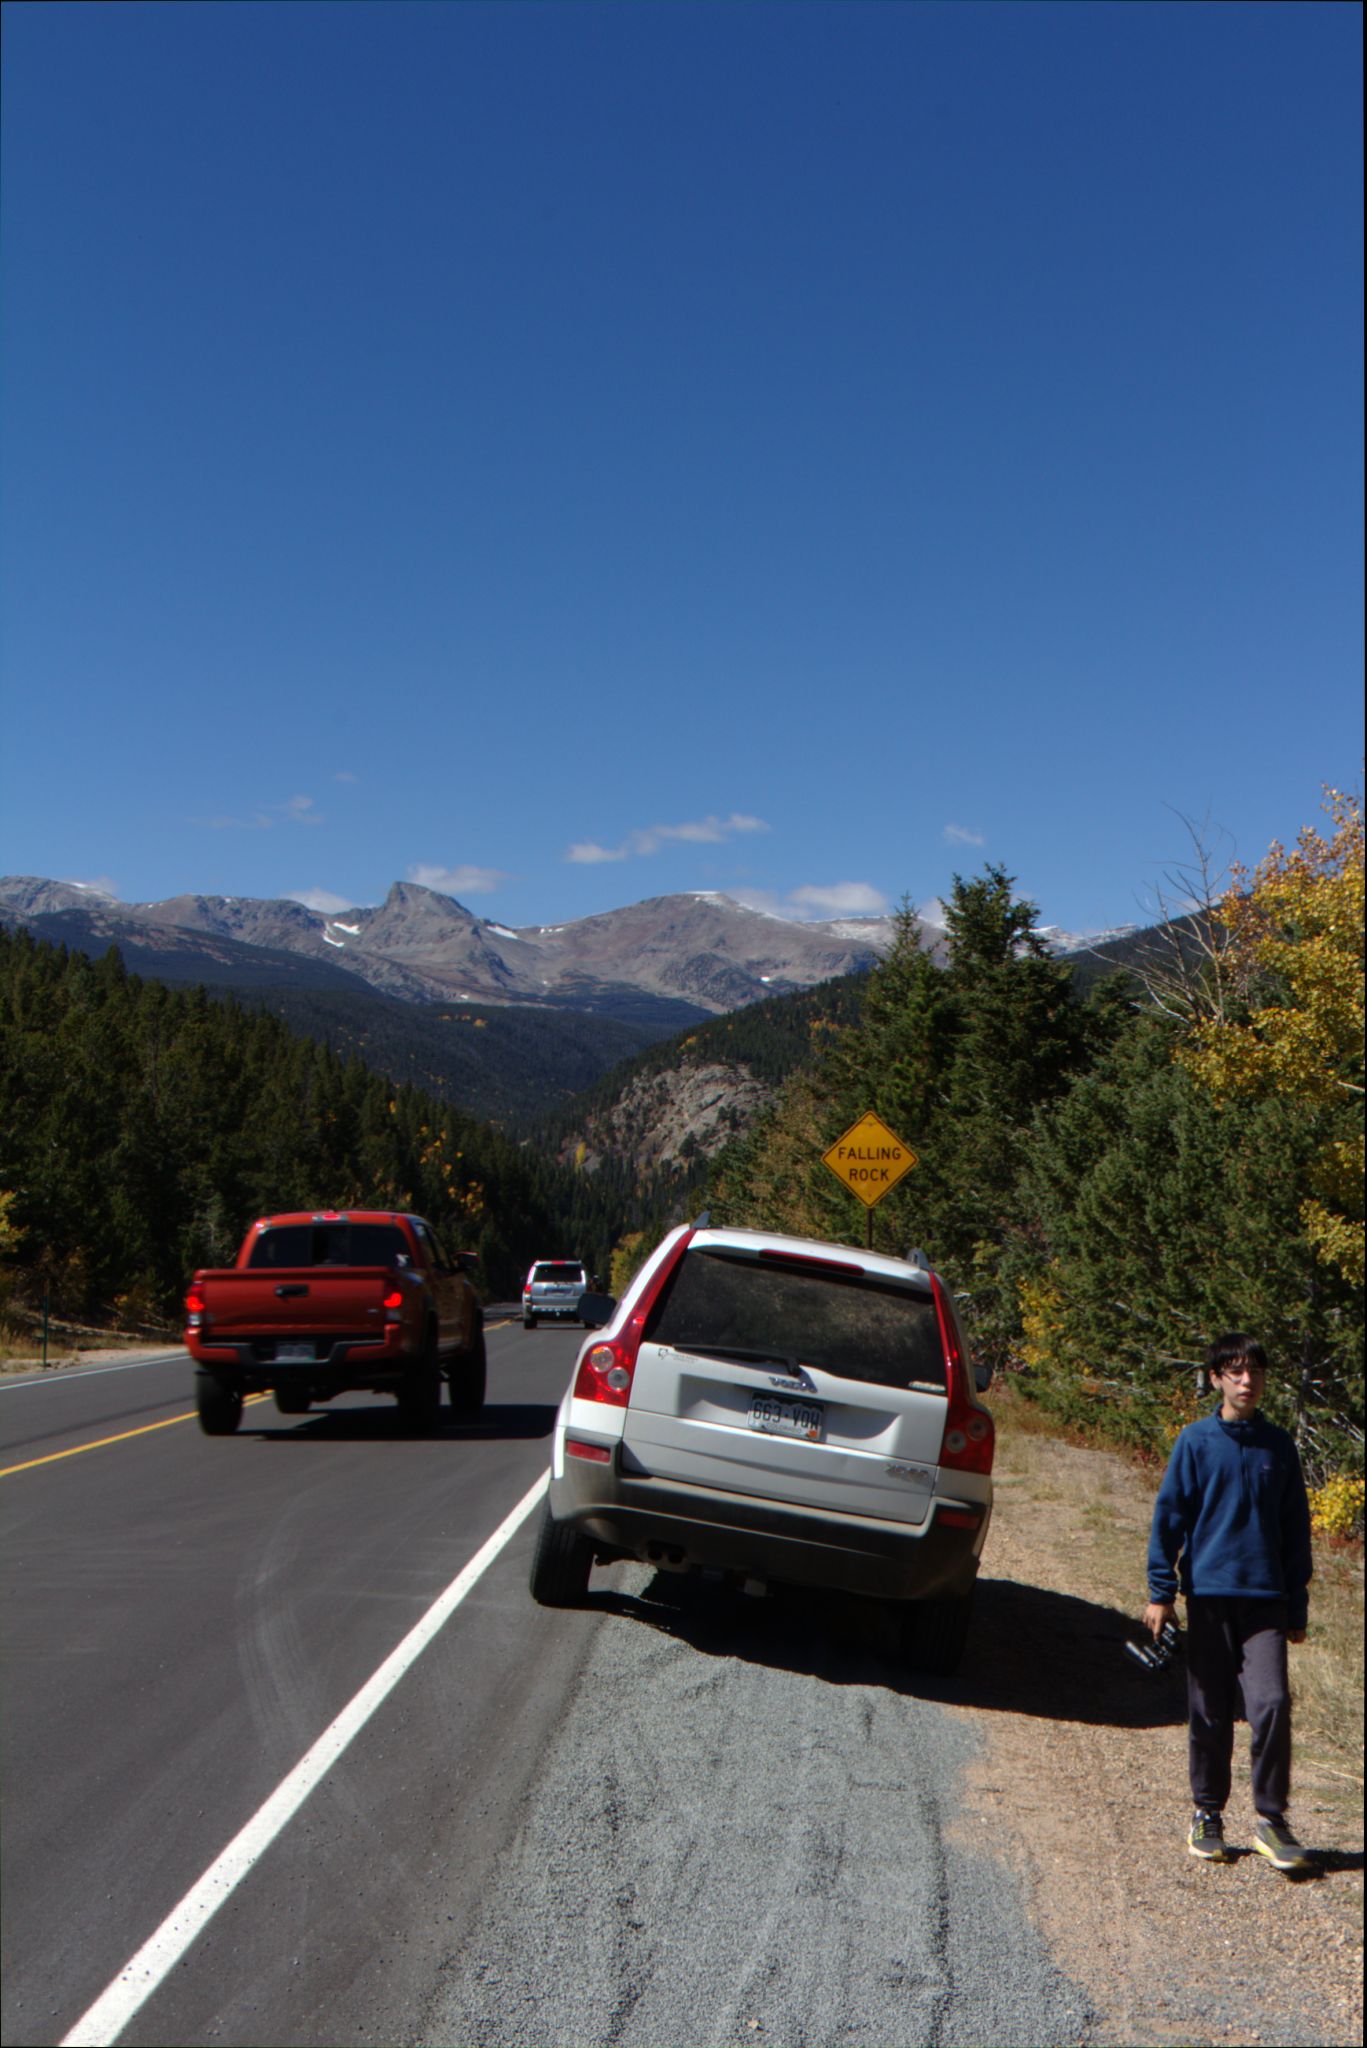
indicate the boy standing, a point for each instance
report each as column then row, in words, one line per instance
column 1233, row 1518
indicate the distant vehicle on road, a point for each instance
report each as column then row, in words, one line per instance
column 553, row 1288
column 784, row 1409
column 334, row 1301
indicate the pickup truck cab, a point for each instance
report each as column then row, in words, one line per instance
column 334, row 1301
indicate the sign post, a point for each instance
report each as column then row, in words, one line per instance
column 870, row 1160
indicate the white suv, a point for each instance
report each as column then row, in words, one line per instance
column 553, row 1288
column 777, row 1408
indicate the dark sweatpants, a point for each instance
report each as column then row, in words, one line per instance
column 1236, row 1646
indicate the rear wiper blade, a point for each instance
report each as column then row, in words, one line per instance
column 736, row 1351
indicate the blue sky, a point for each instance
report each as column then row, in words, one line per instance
column 570, row 453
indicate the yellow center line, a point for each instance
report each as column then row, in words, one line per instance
column 122, row 1437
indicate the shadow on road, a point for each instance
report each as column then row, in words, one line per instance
column 382, row 1423
column 1030, row 1651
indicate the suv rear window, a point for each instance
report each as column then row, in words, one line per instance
column 862, row 1329
column 566, row 1276
column 332, row 1244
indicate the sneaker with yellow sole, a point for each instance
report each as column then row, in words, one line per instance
column 1273, row 1838
column 1206, row 1838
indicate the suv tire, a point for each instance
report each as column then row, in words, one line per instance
column 561, row 1563
column 219, row 1405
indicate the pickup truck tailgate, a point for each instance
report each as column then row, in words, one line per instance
column 347, row 1300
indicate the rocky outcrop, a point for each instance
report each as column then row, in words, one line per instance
column 664, row 1120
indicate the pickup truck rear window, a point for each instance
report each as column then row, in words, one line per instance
column 861, row 1329
column 332, row 1244
column 561, row 1276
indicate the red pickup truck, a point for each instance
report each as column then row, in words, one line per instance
column 326, row 1303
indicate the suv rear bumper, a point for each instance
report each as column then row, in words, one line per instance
column 671, row 1522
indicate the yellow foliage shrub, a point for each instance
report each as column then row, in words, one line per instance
column 1336, row 1507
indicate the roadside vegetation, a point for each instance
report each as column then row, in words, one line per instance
column 1113, row 1180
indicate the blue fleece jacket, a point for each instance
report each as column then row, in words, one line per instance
column 1232, row 1509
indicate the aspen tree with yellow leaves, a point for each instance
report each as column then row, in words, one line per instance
column 1295, row 957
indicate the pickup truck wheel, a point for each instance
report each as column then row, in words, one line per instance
column 291, row 1401
column 561, row 1563
column 420, row 1395
column 219, row 1406
column 468, row 1380
column 935, row 1632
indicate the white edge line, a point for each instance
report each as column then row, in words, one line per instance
column 58, row 1376
column 102, row 2023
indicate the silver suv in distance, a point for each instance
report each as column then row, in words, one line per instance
column 553, row 1287
column 782, row 1409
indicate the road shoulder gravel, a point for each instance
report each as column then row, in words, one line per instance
column 745, row 1831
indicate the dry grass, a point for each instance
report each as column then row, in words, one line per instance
column 22, row 1350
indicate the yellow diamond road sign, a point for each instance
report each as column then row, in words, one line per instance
column 870, row 1159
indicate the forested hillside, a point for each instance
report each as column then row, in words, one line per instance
column 141, row 1130
column 636, row 1164
column 1113, row 1181
column 504, row 1065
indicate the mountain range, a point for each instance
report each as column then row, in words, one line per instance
column 668, row 960
column 512, row 1025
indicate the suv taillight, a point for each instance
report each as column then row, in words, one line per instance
column 605, row 1372
column 970, row 1438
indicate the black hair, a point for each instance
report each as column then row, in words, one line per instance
column 1234, row 1348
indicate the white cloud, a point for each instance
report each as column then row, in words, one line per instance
column 464, row 881
column 587, row 853
column 321, row 900
column 345, row 775
column 960, row 835
column 299, row 810
column 841, row 899
column 709, row 831
column 101, row 886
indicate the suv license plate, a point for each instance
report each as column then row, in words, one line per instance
column 294, row 1354
column 786, row 1418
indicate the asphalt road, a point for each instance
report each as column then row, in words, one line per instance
column 182, row 1615
column 643, row 1822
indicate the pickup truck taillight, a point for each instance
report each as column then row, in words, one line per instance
column 194, row 1309
column 393, row 1303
